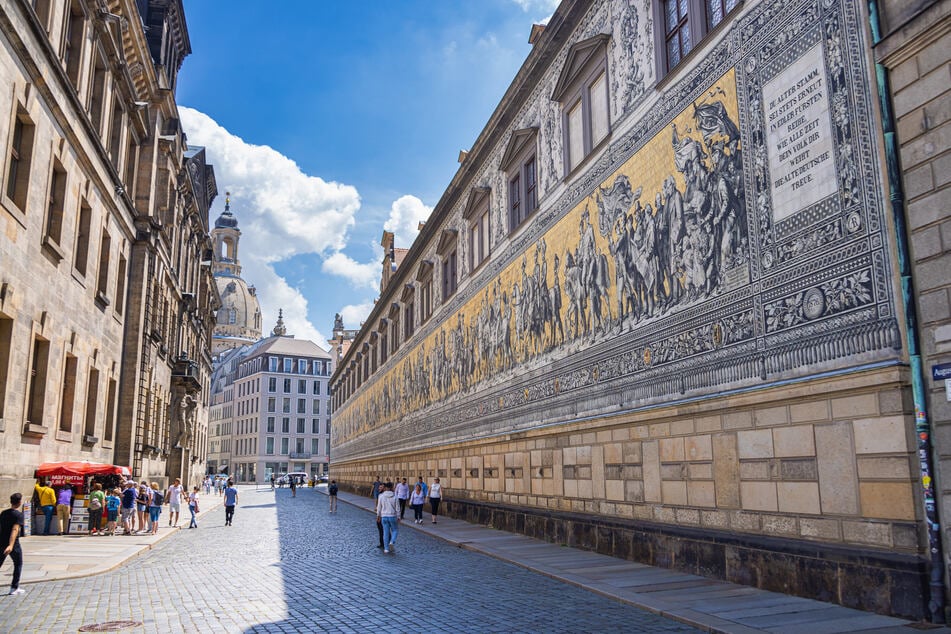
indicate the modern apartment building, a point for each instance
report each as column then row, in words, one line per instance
column 270, row 411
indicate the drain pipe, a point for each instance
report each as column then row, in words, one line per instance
column 922, row 427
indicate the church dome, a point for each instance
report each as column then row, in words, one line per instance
column 240, row 312
column 226, row 220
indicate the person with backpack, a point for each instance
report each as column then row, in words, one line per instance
column 113, row 502
column 155, row 507
column 332, row 493
column 95, row 505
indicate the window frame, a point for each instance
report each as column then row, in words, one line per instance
column 520, row 165
column 19, row 159
column 479, row 227
column 587, row 61
column 700, row 27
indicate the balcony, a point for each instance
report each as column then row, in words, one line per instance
column 185, row 372
column 300, row 455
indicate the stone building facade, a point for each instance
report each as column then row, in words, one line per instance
column 914, row 47
column 657, row 312
column 104, row 226
column 270, row 409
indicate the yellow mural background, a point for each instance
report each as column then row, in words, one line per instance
column 647, row 169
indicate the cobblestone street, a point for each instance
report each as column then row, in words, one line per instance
column 288, row 566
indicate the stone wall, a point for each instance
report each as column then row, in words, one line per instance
column 819, row 465
column 917, row 52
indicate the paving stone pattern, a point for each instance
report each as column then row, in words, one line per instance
column 286, row 565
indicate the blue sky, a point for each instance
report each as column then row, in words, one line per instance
column 330, row 121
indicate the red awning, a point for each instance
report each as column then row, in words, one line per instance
column 82, row 468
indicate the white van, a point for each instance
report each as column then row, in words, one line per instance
column 302, row 477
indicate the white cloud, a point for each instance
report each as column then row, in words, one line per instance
column 362, row 275
column 405, row 215
column 538, row 5
column 277, row 294
column 354, row 315
column 283, row 212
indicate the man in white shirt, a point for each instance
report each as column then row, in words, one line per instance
column 173, row 497
column 388, row 514
column 402, row 494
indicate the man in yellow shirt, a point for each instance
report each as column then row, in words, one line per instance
column 47, row 498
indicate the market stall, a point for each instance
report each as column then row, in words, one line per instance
column 79, row 475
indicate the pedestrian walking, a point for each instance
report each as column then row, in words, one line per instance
column 423, row 484
column 272, row 481
column 47, row 500
column 231, row 501
column 193, row 507
column 142, row 507
column 375, row 490
column 11, row 527
column 155, row 507
column 95, row 505
column 388, row 514
column 207, row 484
column 113, row 503
column 294, row 487
column 127, row 510
column 416, row 500
column 402, row 496
column 173, row 497
column 64, row 508
column 332, row 494
column 435, row 496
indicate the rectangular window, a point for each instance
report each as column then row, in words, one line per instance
column 20, row 159
column 479, row 239
column 575, row 136
column 315, row 406
column 301, row 425
column 301, row 406
column 271, row 404
column 105, row 245
column 131, row 160
column 315, row 426
column 81, row 254
column 409, row 319
column 272, row 384
column 288, row 366
column 272, row 364
column 110, row 410
column 92, row 401
column 286, row 406
column 316, row 387
column 426, row 298
column 302, row 366
column 284, row 442
column 55, row 204
column 450, row 278
column 68, row 395
column 74, row 32
column 270, row 424
column 115, row 131
column 6, row 341
column 287, row 386
column 38, row 377
column 285, row 425
column 97, row 95
column 314, row 442
column 302, row 386
column 515, row 201
column 598, row 95
column 120, row 284
column 269, row 446
column 686, row 23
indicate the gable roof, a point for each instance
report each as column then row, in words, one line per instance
column 578, row 57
